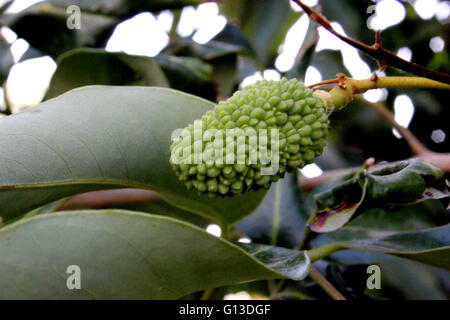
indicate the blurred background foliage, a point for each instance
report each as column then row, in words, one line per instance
column 212, row 49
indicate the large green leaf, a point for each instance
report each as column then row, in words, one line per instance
column 430, row 246
column 83, row 67
column 45, row 28
column 129, row 255
column 101, row 138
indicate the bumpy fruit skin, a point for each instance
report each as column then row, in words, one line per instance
column 289, row 106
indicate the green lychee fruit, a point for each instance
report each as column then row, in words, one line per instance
column 225, row 152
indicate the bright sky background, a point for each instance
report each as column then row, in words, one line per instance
column 28, row 80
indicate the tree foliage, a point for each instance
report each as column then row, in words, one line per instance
column 116, row 134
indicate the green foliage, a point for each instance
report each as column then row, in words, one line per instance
column 429, row 246
column 117, row 135
column 399, row 184
column 142, row 257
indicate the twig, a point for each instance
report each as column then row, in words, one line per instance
column 308, row 184
column 105, row 198
column 324, row 251
column 324, row 284
column 342, row 94
column 324, row 82
column 416, row 146
column 362, row 85
column 384, row 57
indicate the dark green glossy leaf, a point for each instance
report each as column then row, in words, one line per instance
column 402, row 183
column 225, row 74
column 45, row 28
column 124, row 8
column 229, row 41
column 265, row 34
column 188, row 74
column 235, row 39
column 355, row 19
column 221, row 55
column 83, row 67
column 396, row 275
column 129, row 255
column 101, row 138
column 329, row 63
column 280, row 219
column 430, row 246
column 378, row 222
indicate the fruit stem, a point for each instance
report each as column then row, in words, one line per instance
column 342, row 94
column 323, row 251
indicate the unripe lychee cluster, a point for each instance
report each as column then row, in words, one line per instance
column 289, row 106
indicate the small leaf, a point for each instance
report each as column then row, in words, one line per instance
column 189, row 75
column 129, row 255
column 230, row 40
column 45, row 28
column 378, row 222
column 83, row 67
column 392, row 185
column 220, row 54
